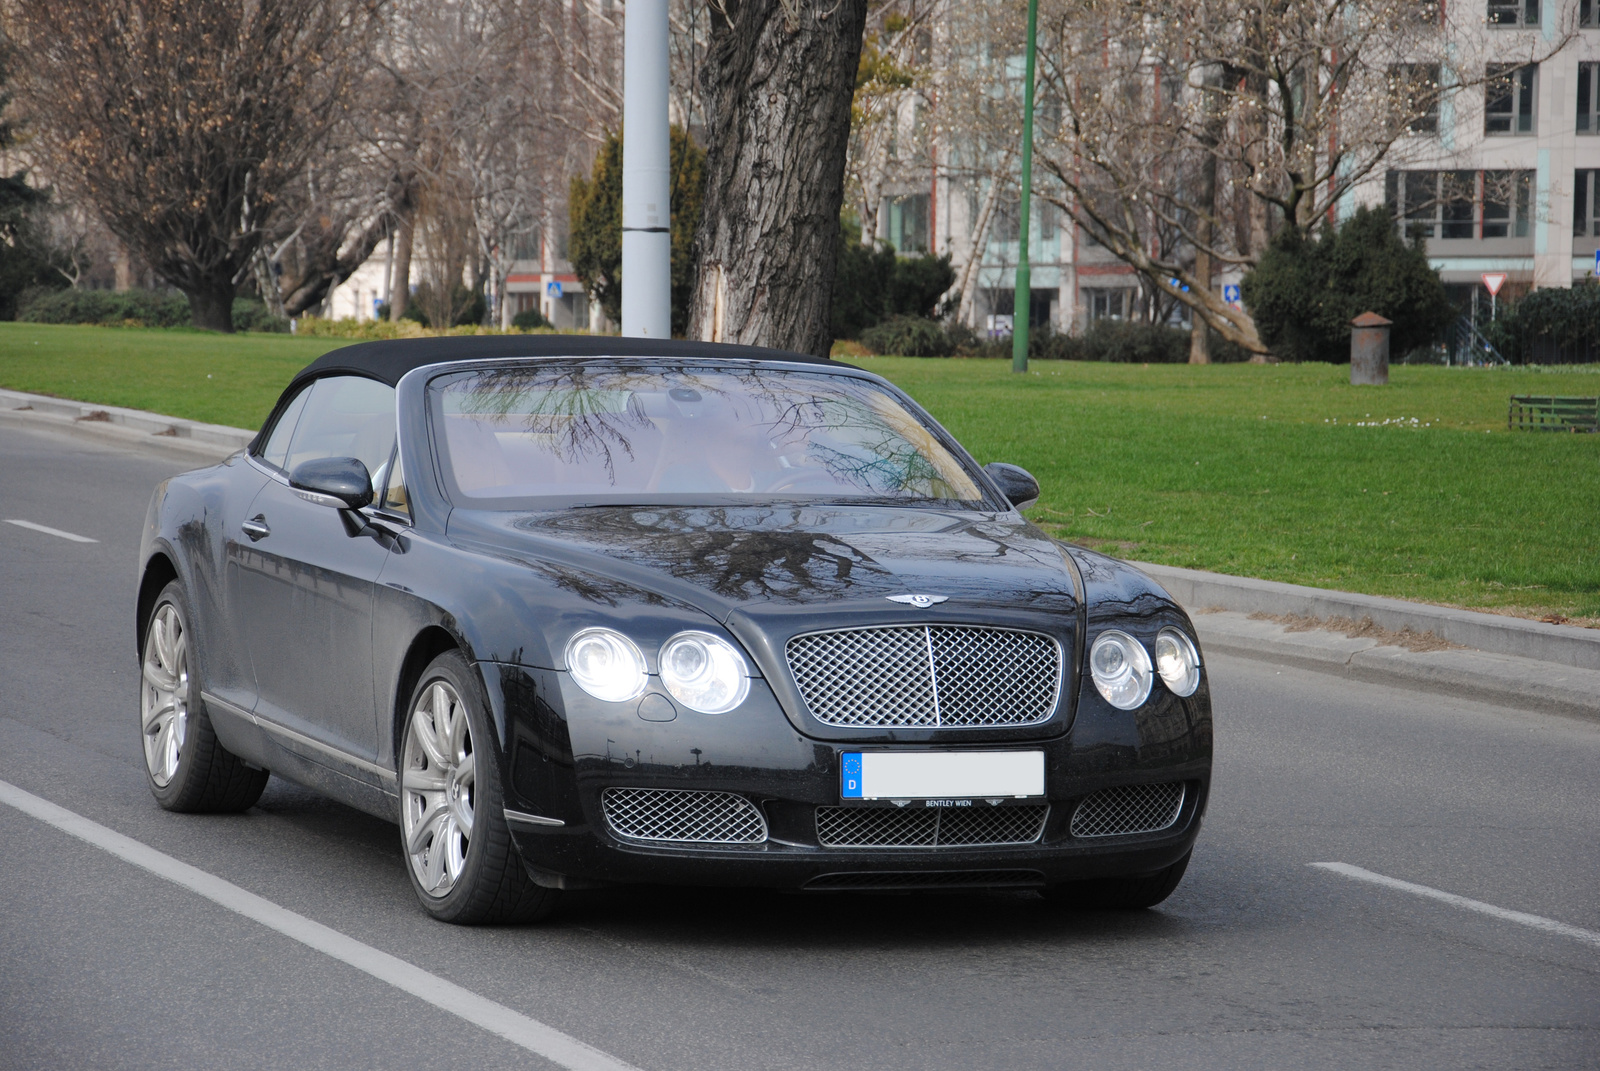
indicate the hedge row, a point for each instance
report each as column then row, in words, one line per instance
column 1116, row 341
column 133, row 308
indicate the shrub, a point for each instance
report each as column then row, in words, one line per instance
column 907, row 336
column 871, row 284
column 250, row 314
column 138, row 308
column 1552, row 325
column 1303, row 294
column 528, row 319
column 1132, row 342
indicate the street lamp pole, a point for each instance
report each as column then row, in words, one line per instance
column 646, row 168
column 1024, row 286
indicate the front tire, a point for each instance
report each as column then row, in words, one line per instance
column 1121, row 894
column 453, row 829
column 187, row 767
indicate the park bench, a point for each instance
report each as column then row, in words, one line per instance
column 1531, row 412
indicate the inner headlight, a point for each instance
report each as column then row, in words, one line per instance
column 607, row 665
column 1177, row 661
column 1121, row 669
column 704, row 673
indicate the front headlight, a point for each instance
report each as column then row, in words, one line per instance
column 1121, row 669
column 1177, row 661
column 704, row 673
column 607, row 665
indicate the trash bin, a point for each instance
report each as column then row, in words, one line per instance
column 1369, row 350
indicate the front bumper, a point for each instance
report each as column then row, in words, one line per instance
column 562, row 750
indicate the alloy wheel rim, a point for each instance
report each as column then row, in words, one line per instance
column 164, row 694
column 438, row 786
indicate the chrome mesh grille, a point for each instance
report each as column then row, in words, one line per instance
column 1125, row 809
column 928, row 827
column 683, row 816
column 927, row 676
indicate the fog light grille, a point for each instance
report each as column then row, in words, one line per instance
column 683, row 816
column 928, row 827
column 1126, row 809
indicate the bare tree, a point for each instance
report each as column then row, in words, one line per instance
column 778, row 78
column 183, row 121
column 1189, row 141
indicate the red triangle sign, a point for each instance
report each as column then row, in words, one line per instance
column 1493, row 281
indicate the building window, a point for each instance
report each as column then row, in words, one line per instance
column 908, row 224
column 1586, row 204
column 1415, row 89
column 1513, row 12
column 1507, row 204
column 1106, row 304
column 1509, row 94
column 1461, row 205
column 1588, row 92
column 1589, row 13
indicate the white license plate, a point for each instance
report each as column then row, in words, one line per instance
column 919, row 775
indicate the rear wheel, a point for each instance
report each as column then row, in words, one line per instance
column 1125, row 894
column 453, row 830
column 189, row 770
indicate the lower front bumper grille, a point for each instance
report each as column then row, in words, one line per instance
column 683, row 816
column 1128, row 809
column 928, row 827
column 931, row 879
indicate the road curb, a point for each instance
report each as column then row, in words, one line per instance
column 1567, row 645
column 1524, row 683
column 138, row 420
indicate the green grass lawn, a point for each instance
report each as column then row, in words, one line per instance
column 1289, row 473
column 195, row 374
column 1280, row 471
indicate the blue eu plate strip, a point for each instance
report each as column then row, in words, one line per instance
column 850, row 775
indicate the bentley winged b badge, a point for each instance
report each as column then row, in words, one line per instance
column 921, row 602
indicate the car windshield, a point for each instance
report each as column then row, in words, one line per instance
column 602, row 433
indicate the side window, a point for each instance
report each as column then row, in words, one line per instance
column 277, row 445
column 345, row 416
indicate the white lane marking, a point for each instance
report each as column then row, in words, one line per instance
column 538, row 1038
column 1538, row 922
column 52, row 531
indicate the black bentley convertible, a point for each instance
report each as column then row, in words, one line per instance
column 584, row 611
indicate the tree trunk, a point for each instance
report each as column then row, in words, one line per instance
column 211, row 306
column 1199, row 336
column 778, row 79
column 400, row 288
column 980, row 242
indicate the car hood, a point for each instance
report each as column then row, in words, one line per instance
column 790, row 560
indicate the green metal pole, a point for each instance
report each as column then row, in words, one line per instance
column 1019, row 314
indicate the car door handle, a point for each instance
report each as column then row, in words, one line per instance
column 256, row 528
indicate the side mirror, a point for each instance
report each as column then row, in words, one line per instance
column 1015, row 482
column 336, row 482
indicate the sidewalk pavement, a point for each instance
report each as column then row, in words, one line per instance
column 1487, row 657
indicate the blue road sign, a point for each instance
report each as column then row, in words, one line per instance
column 1230, row 294
column 553, row 289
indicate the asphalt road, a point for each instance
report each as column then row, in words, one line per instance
column 1259, row 960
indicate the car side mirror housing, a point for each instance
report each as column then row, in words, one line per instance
column 1015, row 482
column 336, row 482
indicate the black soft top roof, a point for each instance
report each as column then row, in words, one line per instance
column 389, row 360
